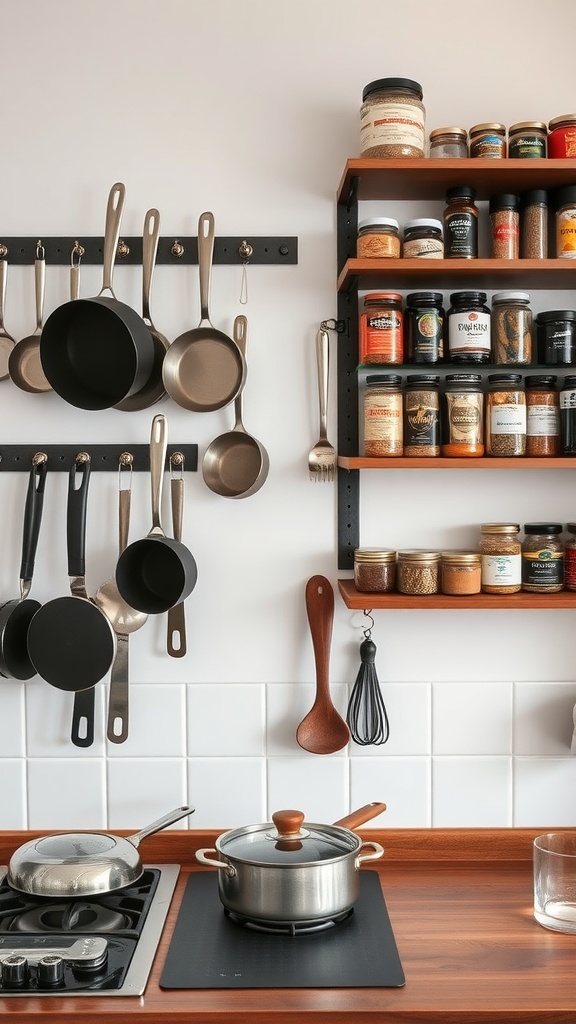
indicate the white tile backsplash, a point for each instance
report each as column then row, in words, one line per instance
column 227, row 792
column 543, row 719
column 316, row 784
column 471, row 792
column 544, row 792
column 157, row 722
column 402, row 783
column 49, row 721
column 408, row 710
column 226, row 718
column 141, row 790
column 12, row 730
column 67, row 793
column 472, row 718
column 13, row 802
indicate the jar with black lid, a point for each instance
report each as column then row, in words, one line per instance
column 556, row 337
column 383, row 415
column 542, row 416
column 504, row 226
column 461, row 223
column 567, row 400
column 527, row 140
column 463, row 416
column 423, row 239
column 542, row 558
column 421, row 416
column 468, row 328
column 424, row 327
column 392, row 119
column 505, row 415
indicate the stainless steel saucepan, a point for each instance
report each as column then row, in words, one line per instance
column 82, row 864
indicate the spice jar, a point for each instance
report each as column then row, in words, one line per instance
column 567, row 400
column 421, row 416
column 511, row 328
column 461, row 223
column 570, row 558
column 460, row 573
column 501, row 558
column 448, row 142
column 424, row 327
column 423, row 239
column 556, row 337
column 375, row 570
column 462, row 416
column 417, row 572
column 542, row 416
column 542, row 558
column 378, row 238
column 383, row 415
column 488, row 140
column 381, row 328
column 534, row 224
column 505, row 415
column 527, row 140
column 468, row 328
column 565, row 200
column 392, row 119
column 504, row 226
column 562, row 137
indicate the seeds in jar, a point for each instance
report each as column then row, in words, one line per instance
column 418, row 572
column 421, row 416
column 375, row 570
column 501, row 559
column 383, row 416
column 542, row 416
column 392, row 119
column 505, row 415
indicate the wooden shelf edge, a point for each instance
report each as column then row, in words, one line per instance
column 362, row 462
column 356, row 600
column 367, row 273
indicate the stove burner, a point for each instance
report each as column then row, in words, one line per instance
column 70, row 917
column 288, row 927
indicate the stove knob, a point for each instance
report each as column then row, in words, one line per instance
column 14, row 970
column 50, row 970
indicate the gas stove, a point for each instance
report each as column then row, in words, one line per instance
column 100, row 946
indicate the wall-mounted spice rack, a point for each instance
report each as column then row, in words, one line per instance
column 16, row 458
column 172, row 250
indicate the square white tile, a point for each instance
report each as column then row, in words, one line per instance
column 226, row 719
column 12, row 730
column 472, row 718
column 227, row 792
column 287, row 705
column 471, row 792
column 49, row 722
column 543, row 718
column 141, row 790
column 409, row 717
column 402, row 783
column 156, row 722
column 544, row 791
column 13, row 804
column 317, row 785
column 66, row 793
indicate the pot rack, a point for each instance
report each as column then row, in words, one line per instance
column 61, row 251
column 16, row 458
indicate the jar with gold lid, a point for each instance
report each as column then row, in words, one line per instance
column 418, row 572
column 527, row 140
column 501, row 558
column 448, row 142
column 488, row 140
column 375, row 570
column 460, row 573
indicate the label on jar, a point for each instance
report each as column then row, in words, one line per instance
column 461, row 235
column 464, row 418
column 568, row 399
column 542, row 421
column 527, row 146
column 391, row 124
column 381, row 337
column 382, row 424
column 425, row 336
column 566, row 234
column 423, row 248
column 421, row 419
column 562, row 143
column 543, row 568
column 508, row 419
column 469, row 332
column 488, row 146
column 501, row 570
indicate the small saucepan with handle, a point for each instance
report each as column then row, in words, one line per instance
column 291, row 870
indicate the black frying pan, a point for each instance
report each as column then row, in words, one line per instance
column 15, row 616
column 97, row 352
column 70, row 641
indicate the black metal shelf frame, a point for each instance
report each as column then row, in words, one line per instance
column 172, row 250
column 17, row 458
column 348, row 481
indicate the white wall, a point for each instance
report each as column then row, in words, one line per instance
column 249, row 108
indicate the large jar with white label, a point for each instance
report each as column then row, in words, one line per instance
column 501, row 558
column 392, row 119
column 468, row 328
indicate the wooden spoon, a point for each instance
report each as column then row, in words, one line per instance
column 323, row 730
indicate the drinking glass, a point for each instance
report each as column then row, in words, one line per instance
column 555, row 881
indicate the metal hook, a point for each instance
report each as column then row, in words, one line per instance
column 333, row 325
column 177, row 464
column 245, row 251
column 125, row 461
column 78, row 252
column 368, row 629
column 40, row 253
column 177, row 248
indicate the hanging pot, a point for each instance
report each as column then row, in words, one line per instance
column 285, row 870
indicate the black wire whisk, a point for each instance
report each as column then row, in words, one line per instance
column 367, row 717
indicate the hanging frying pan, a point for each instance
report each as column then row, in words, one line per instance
column 204, row 369
column 24, row 364
column 71, row 643
column 15, row 616
column 6, row 340
column 97, row 352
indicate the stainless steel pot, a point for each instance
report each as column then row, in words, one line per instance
column 283, row 871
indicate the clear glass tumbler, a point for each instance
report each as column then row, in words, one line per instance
column 555, row 881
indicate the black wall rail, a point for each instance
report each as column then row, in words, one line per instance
column 172, row 250
column 16, row 458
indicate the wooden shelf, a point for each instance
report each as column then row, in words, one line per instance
column 356, row 599
column 361, row 462
column 366, row 274
column 429, row 178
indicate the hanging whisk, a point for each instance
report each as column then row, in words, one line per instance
column 366, row 717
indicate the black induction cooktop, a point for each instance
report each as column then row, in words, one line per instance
column 209, row 950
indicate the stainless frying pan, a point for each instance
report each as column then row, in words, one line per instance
column 82, row 863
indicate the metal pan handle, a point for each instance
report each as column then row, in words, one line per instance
column 114, row 212
column 205, row 257
column 158, row 448
column 150, row 237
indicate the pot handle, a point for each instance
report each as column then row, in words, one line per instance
column 377, row 853
column 203, row 858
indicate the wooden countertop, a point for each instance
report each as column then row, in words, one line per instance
column 460, row 903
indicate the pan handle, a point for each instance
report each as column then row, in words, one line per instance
column 149, row 249
column 363, row 814
column 205, row 257
column 82, row 734
column 114, row 212
column 158, row 448
column 159, row 824
column 76, row 521
column 32, row 519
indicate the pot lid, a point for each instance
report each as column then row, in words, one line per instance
column 286, row 841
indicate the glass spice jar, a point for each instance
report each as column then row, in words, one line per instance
column 460, row 573
column 556, row 337
column 423, row 239
column 511, row 328
column 527, row 140
column 565, row 200
column 501, row 558
column 534, row 224
column 488, row 140
column 375, row 570
column 392, row 119
column 418, row 572
column 424, row 327
column 462, row 416
column 378, row 238
column 461, row 223
column 421, row 416
column 469, row 328
column 504, row 226
column 381, row 328
column 505, row 415
column 567, row 400
column 542, row 416
column 542, row 558
column 448, row 142
column 383, row 435
column 570, row 558
column 562, row 137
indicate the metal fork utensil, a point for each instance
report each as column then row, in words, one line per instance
column 322, row 457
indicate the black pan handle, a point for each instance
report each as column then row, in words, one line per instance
column 82, row 734
column 32, row 517
column 78, row 480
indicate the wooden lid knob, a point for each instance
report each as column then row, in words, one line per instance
column 288, row 822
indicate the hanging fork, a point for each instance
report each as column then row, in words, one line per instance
column 322, row 457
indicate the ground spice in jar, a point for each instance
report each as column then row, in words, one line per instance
column 463, row 416
column 542, row 416
column 505, row 415
column 382, row 328
column 501, row 558
column 378, row 238
column 417, row 572
column 542, row 558
column 511, row 328
column 383, row 415
column 534, row 224
column 505, row 226
column 375, row 570
column 460, row 573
